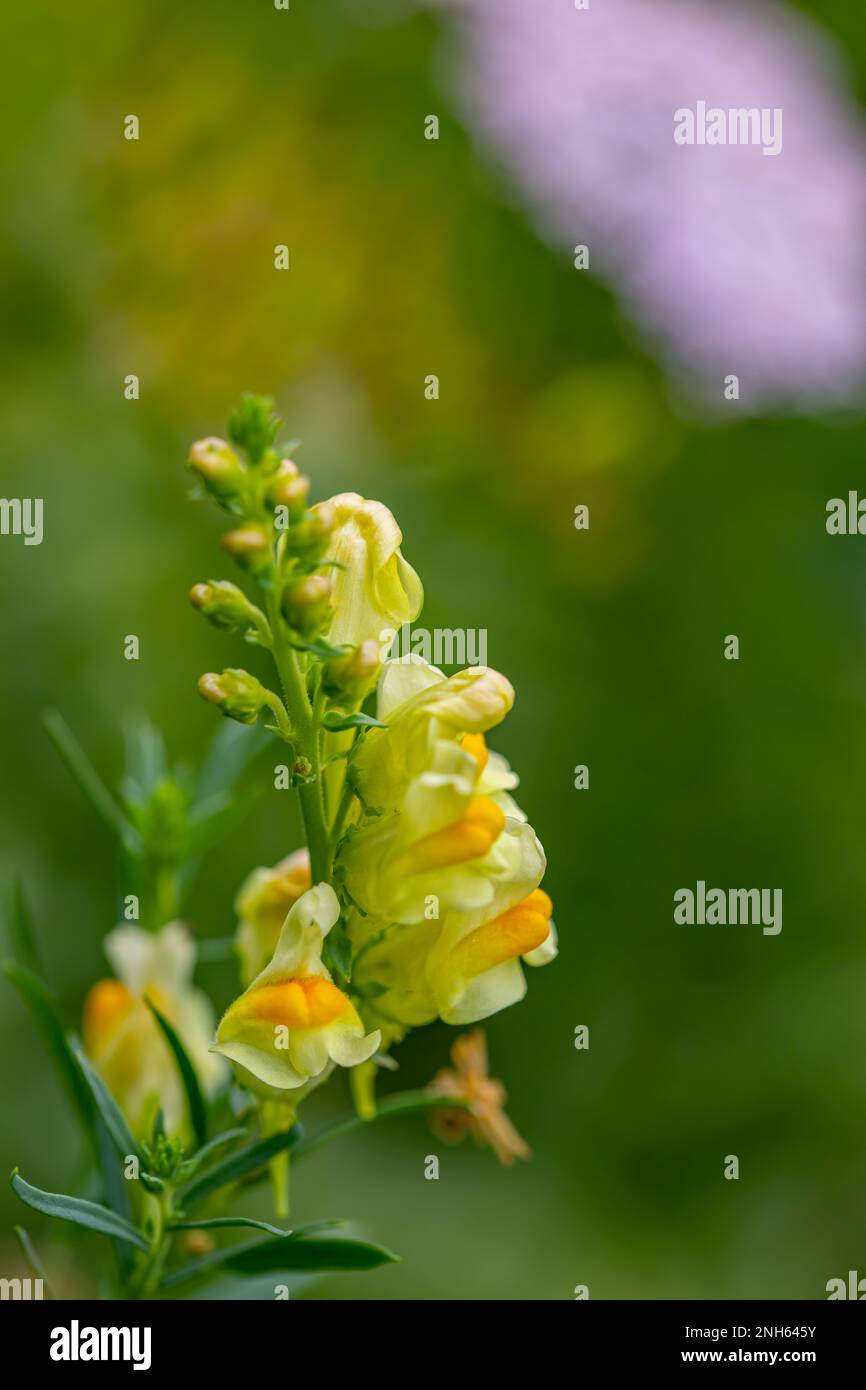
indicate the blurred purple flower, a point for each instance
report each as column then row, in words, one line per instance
column 730, row 261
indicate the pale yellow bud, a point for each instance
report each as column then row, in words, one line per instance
column 354, row 675
column 222, row 603
column 307, row 605
column 218, row 468
column 249, row 545
column 238, row 694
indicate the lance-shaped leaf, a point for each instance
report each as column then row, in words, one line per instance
column 207, row 1152
column 32, row 1256
column 404, row 1103
column 90, row 782
column 234, row 749
column 218, row 1223
column 320, row 648
column 289, row 1255
column 115, row 1190
column 43, row 1010
column 65, row 1208
column 110, row 1112
column 238, row 1165
column 337, row 721
column 19, row 926
column 194, row 1097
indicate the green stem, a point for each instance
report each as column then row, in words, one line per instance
column 166, row 894
column 306, row 742
column 362, row 1084
column 160, row 1239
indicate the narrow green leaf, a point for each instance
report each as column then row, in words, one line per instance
column 205, row 1154
column 233, row 750
column 320, row 648
column 237, row 1165
column 288, row 1255
column 43, row 1010
column 405, row 1103
column 80, row 1213
column 32, row 1258
column 313, row 1228
column 19, row 926
column 216, row 1223
column 115, row 1190
column 195, row 1099
column 334, row 1252
column 206, row 830
column 109, row 1111
column 145, row 763
column 335, row 722
column 89, row 781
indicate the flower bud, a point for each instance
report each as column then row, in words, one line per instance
column 222, row 603
column 238, row 694
column 308, row 540
column 249, row 545
column 290, row 489
column 218, row 468
column 285, row 472
column 307, row 604
column 354, row 675
column 253, row 427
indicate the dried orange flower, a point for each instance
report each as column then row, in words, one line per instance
column 485, row 1119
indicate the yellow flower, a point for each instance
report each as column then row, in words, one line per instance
column 374, row 588
column 474, row 967
column 447, row 849
column 292, row 1023
column 262, row 905
column 427, row 716
column 445, row 871
column 122, row 1037
column 486, row 1120
column 440, row 839
column 466, row 966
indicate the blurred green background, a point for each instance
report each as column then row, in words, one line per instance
column 156, row 258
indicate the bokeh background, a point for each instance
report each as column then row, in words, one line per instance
column 411, row 257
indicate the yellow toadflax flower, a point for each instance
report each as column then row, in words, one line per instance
column 462, row 969
column 122, row 1037
column 428, row 717
column 446, row 878
column 443, row 802
column 293, row 1023
column 373, row 586
column 485, row 1120
column 262, row 904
